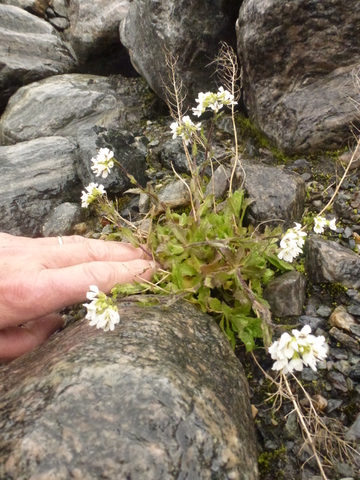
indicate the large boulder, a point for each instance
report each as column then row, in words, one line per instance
column 29, row 50
column 189, row 31
column 94, row 35
column 161, row 397
column 36, row 176
column 298, row 59
column 61, row 105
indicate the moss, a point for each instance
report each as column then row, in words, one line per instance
column 269, row 463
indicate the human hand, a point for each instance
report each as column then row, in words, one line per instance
column 39, row 277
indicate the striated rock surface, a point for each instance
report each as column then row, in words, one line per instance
column 190, row 31
column 329, row 262
column 161, row 397
column 36, row 176
column 29, row 50
column 298, row 60
column 94, row 35
column 61, row 104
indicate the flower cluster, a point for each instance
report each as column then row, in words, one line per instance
column 292, row 243
column 186, row 129
column 101, row 311
column 92, row 192
column 103, row 162
column 214, row 101
column 321, row 222
column 292, row 352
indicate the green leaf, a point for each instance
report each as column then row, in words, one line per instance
column 280, row 264
column 129, row 236
column 214, row 304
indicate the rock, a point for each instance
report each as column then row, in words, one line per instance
column 343, row 366
column 345, row 340
column 172, row 152
column 90, row 139
column 174, row 195
column 189, row 31
column 161, row 397
column 60, row 23
column 62, row 219
column 286, row 294
column 291, row 426
column 329, row 262
column 323, row 311
column 29, row 51
column 314, row 322
column 351, row 156
column 62, row 104
column 320, row 402
column 94, row 35
column 353, row 434
column 37, row 7
column 36, row 177
column 354, row 373
column 276, row 195
column 338, row 380
column 340, row 318
column 60, row 8
column 219, row 182
column 354, row 309
column 333, row 404
column 298, row 77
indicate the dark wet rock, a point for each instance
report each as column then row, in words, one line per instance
column 354, row 373
column 90, row 139
column 277, row 195
column 296, row 73
column 286, row 294
column 36, row 176
column 346, row 340
column 329, row 262
column 62, row 104
column 161, row 397
column 29, row 51
column 340, row 318
column 94, row 35
column 62, row 219
column 190, row 31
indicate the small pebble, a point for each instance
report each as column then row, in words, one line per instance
column 323, row 311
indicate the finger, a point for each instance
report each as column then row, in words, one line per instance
column 15, row 341
column 68, row 286
column 7, row 240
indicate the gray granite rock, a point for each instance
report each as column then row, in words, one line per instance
column 277, row 195
column 286, row 294
column 62, row 219
column 190, row 31
column 36, row 176
column 219, row 182
column 298, row 74
column 329, row 262
column 61, row 104
column 94, row 35
column 29, row 50
column 161, row 397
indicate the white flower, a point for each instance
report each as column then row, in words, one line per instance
column 214, row 101
column 93, row 191
column 101, row 311
column 319, row 224
column 186, row 129
column 292, row 352
column 332, row 224
column 292, row 243
column 103, row 162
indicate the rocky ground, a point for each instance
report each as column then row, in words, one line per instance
column 336, row 384
column 331, row 309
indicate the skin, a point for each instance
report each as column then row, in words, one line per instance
column 39, row 277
